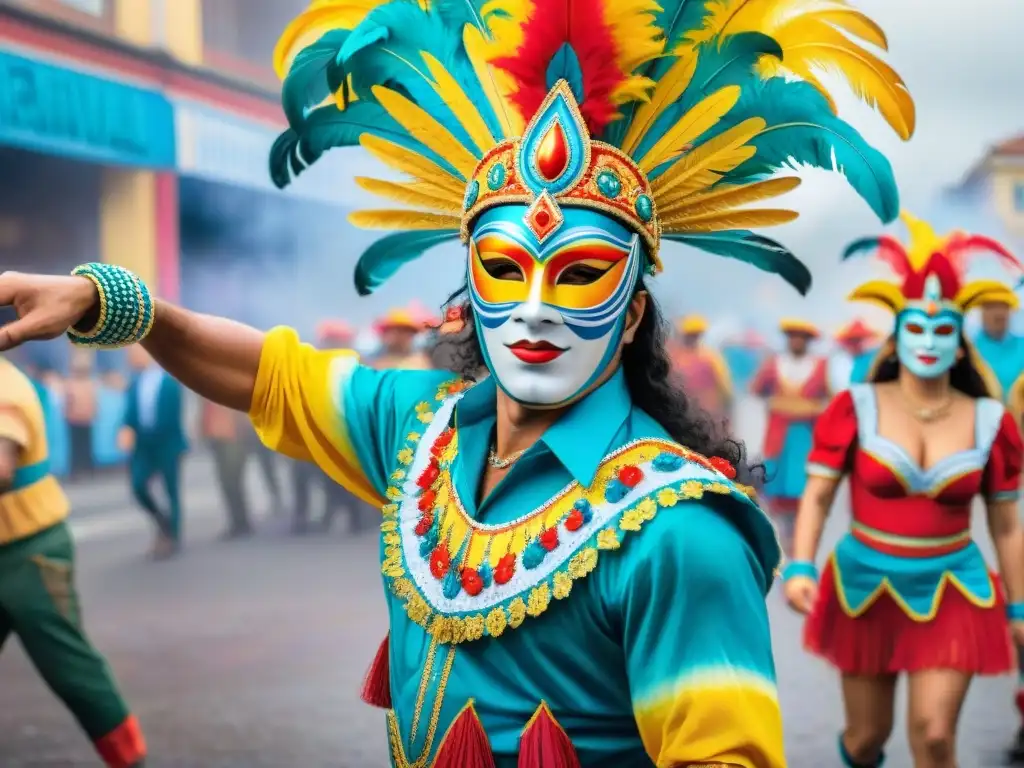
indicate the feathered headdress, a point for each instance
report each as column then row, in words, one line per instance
column 670, row 117
column 932, row 270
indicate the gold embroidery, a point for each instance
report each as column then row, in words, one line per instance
column 491, row 545
column 57, row 581
column 394, row 730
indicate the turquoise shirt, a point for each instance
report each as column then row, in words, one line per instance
column 641, row 623
column 1004, row 356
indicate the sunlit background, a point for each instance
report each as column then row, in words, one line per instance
column 137, row 132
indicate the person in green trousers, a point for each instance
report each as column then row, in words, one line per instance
column 38, row 599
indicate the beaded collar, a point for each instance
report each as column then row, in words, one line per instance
column 462, row 580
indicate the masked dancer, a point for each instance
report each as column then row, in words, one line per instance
column 702, row 370
column 571, row 499
column 794, row 383
column 907, row 591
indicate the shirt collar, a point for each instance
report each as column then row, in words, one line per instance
column 580, row 439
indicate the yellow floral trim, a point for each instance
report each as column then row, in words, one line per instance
column 536, row 600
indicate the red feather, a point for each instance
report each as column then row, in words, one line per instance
column 940, row 265
column 580, row 23
column 961, row 247
column 892, row 252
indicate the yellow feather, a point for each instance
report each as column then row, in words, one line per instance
column 731, row 219
column 731, row 196
column 416, row 194
column 978, row 292
column 810, row 45
column 812, row 37
column 399, row 219
column 448, row 88
column 720, row 155
column 879, row 292
column 923, row 240
column 321, row 17
column 635, row 33
column 703, row 116
column 666, row 92
column 425, row 129
column 411, row 163
column 497, row 83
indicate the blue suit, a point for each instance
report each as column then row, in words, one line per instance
column 159, row 444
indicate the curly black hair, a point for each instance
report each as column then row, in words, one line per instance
column 649, row 379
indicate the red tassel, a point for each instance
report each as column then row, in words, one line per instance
column 377, row 685
column 545, row 744
column 465, row 745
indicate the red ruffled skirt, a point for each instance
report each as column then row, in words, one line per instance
column 884, row 640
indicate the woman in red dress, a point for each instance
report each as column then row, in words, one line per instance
column 907, row 591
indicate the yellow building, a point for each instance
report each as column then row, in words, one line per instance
column 996, row 184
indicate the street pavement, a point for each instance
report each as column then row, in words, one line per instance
column 251, row 654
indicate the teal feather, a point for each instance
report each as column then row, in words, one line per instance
column 565, row 65
column 802, row 129
column 314, row 75
column 729, row 62
column 329, row 127
column 385, row 50
column 456, row 14
column 389, row 254
column 756, row 250
column 860, row 247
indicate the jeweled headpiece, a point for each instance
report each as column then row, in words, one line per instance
column 932, row 270
column 670, row 118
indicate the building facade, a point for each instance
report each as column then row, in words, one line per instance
column 996, row 185
column 114, row 112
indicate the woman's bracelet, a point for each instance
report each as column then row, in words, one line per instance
column 125, row 308
column 1015, row 611
column 804, row 568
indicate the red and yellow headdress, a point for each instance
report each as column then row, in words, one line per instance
column 669, row 116
column 855, row 331
column 932, row 270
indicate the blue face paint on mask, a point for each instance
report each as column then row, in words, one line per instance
column 928, row 345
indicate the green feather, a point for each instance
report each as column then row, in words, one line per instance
column 315, row 74
column 730, row 62
column 802, row 129
column 329, row 127
column 857, row 247
column 389, row 254
column 756, row 250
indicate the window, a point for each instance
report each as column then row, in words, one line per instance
column 91, row 7
column 1018, row 196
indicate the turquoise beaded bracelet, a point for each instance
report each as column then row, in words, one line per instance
column 125, row 312
column 799, row 568
column 1015, row 611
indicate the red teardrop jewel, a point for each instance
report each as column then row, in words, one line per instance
column 552, row 153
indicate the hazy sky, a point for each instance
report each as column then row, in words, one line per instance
column 966, row 72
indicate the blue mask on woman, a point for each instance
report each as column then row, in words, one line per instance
column 928, row 344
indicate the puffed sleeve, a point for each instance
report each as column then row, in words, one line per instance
column 697, row 642
column 835, row 433
column 324, row 406
column 1002, row 472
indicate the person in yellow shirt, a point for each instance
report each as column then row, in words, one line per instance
column 38, row 600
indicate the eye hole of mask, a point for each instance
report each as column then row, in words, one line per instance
column 945, row 330
column 504, row 269
column 583, row 273
column 913, row 328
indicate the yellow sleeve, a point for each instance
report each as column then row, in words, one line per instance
column 13, row 426
column 298, row 408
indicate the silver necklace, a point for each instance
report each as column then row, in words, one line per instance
column 497, row 462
